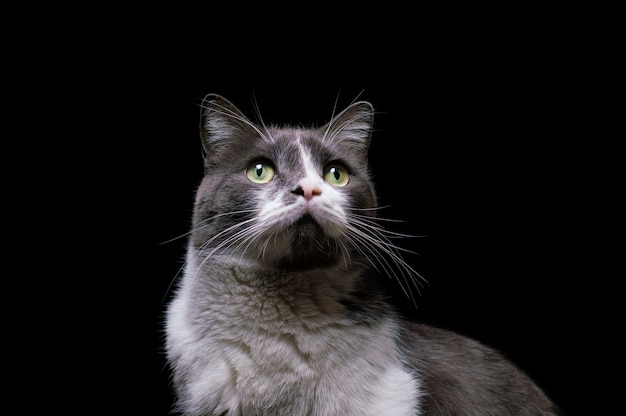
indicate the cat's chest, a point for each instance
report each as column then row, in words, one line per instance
column 331, row 370
column 252, row 344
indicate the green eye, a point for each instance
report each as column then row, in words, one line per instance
column 260, row 172
column 336, row 175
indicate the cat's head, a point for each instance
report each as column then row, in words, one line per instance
column 290, row 197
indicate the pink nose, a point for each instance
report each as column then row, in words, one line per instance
column 307, row 189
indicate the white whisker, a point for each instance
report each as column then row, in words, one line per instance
column 368, row 237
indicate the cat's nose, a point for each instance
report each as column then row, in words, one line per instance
column 307, row 189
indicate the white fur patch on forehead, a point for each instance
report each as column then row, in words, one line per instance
column 310, row 170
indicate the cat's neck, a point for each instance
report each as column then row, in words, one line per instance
column 239, row 270
column 240, row 289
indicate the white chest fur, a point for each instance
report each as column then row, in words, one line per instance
column 271, row 351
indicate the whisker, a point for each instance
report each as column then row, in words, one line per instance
column 203, row 222
column 364, row 233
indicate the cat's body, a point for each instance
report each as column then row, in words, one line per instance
column 279, row 312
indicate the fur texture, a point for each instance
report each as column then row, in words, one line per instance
column 278, row 311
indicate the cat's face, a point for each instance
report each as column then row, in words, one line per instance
column 285, row 197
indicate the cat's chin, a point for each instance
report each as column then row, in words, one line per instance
column 306, row 231
column 308, row 246
column 300, row 262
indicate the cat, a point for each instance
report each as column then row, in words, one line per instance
column 280, row 311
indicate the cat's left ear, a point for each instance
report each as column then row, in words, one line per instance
column 353, row 125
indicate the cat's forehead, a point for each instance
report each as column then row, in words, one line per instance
column 296, row 138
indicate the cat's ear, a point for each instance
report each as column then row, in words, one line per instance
column 353, row 125
column 220, row 122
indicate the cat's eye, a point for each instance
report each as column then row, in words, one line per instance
column 336, row 175
column 260, row 172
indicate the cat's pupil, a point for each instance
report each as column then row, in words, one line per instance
column 335, row 173
column 259, row 170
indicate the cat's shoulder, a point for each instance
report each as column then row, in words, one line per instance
column 442, row 346
column 460, row 372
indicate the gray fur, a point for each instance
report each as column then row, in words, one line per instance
column 278, row 311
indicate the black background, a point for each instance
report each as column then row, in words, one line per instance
column 483, row 146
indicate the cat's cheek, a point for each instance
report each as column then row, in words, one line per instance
column 329, row 212
column 276, row 215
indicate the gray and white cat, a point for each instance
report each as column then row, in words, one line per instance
column 278, row 311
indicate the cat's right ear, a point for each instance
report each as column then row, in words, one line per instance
column 220, row 122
